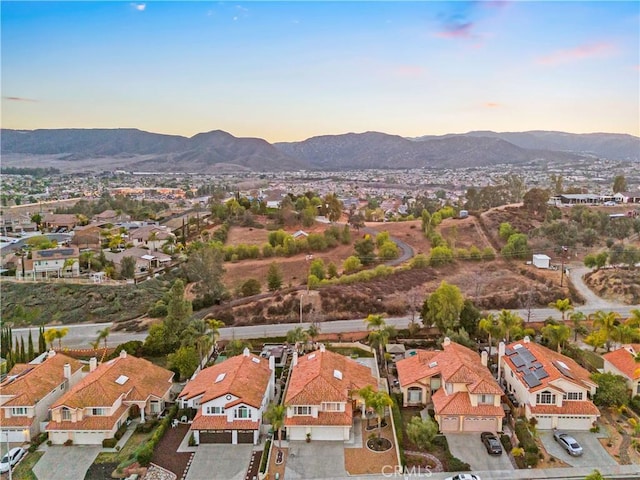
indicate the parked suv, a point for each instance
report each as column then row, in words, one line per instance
column 491, row 443
column 567, row 442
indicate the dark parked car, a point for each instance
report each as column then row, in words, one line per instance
column 569, row 443
column 491, row 443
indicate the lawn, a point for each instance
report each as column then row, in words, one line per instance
column 132, row 444
column 24, row 471
column 351, row 352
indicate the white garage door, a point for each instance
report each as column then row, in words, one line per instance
column 15, row 436
column 574, row 423
column 327, row 433
column 479, row 424
column 88, row 438
column 296, row 433
column 449, row 424
column 545, row 422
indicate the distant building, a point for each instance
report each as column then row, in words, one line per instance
column 53, row 262
column 541, row 261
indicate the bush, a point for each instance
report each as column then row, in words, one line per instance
column 120, row 432
column 147, row 426
column 192, row 440
column 531, row 459
column 265, row 456
column 109, row 442
column 506, row 442
column 145, row 454
column 68, row 443
column 526, row 440
column 453, row 464
column 634, row 404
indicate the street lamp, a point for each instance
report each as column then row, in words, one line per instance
column 301, row 296
column 564, row 252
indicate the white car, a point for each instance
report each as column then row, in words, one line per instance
column 11, row 458
column 464, row 476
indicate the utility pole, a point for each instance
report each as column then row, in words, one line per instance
column 564, row 251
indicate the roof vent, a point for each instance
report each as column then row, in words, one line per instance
column 433, row 364
column 255, row 360
column 312, row 356
column 220, row 377
column 337, row 374
column 122, row 379
column 518, row 345
column 562, row 364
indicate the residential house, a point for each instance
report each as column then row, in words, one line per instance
column 60, row 222
column 627, row 197
column 456, row 380
column 152, row 237
column 30, row 389
column 110, row 216
column 552, row 387
column 322, row 395
column 623, row 362
column 100, row 404
column 145, row 259
column 52, row 262
column 273, row 198
column 230, row 399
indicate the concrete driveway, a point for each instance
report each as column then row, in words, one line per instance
column 63, row 463
column 594, row 454
column 220, row 461
column 315, row 460
column 469, row 448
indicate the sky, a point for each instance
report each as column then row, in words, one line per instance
column 287, row 71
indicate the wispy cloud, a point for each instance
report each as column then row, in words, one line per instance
column 492, row 105
column 582, row 52
column 139, row 6
column 457, row 31
column 19, row 99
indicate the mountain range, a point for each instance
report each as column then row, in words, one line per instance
column 215, row 151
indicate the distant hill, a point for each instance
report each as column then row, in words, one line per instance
column 216, row 151
column 613, row 146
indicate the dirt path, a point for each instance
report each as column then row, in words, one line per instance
column 576, row 274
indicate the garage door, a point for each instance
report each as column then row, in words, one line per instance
column 215, row 436
column 327, row 433
column 15, row 436
column 449, row 424
column 479, row 424
column 574, row 423
column 545, row 422
column 245, row 436
column 88, row 438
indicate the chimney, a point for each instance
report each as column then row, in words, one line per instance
column 93, row 364
column 272, row 363
column 526, row 339
column 246, row 352
column 294, row 360
column 322, row 347
column 501, row 348
column 123, row 353
column 484, row 357
column 446, row 342
column 51, row 353
column 67, row 371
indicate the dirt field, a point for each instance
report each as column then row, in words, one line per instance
column 409, row 232
column 616, row 284
column 463, row 233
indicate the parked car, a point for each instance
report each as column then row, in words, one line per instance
column 11, row 458
column 569, row 443
column 464, row 476
column 491, row 443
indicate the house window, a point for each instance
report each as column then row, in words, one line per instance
column 66, row 414
column 155, row 407
column 545, row 398
column 414, row 395
column 572, row 396
column 332, row 407
column 242, row 412
column 302, row 410
column 215, row 410
column 485, row 399
column 19, row 411
column 98, row 412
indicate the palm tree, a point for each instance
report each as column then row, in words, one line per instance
column 576, row 319
column 489, row 325
column 624, row 333
column 379, row 401
column 556, row 334
column 236, row 346
column 379, row 338
column 313, row 331
column 214, row 327
column 606, row 322
column 634, row 319
column 563, row 306
column 509, row 323
column 297, row 337
column 375, row 321
column 275, row 415
column 103, row 335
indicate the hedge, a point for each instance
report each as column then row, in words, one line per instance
column 506, row 442
column 265, row 456
column 397, row 420
column 453, row 464
column 109, row 442
column 145, row 451
column 634, row 404
column 527, row 443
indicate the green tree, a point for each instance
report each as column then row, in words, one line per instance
column 250, row 287
column 563, row 306
column 297, row 337
column 612, row 390
column 274, row 277
column 128, row 267
column 556, row 335
column 517, row 247
column 365, row 250
column 619, row 184
column 205, row 267
column 491, row 327
column 333, row 207
column 577, row 320
column 379, row 333
column 317, row 268
column 422, row 432
column 510, row 323
column 42, row 342
column 103, row 335
column 606, row 321
column 313, row 331
column 506, row 230
column 440, row 255
column 184, row 360
column 536, row 201
column 332, row 270
column 469, row 317
column 236, row 346
column 388, row 250
column 378, row 401
column 30, row 352
column 444, row 307
column 351, row 264
column 275, row 415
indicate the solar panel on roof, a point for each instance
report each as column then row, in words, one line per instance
column 517, row 360
column 563, row 369
column 509, row 352
column 540, row 373
column 536, row 365
column 527, row 355
column 531, row 380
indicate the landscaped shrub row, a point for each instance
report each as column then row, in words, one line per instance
column 635, row 404
column 453, row 464
column 147, row 426
column 397, row 420
column 145, row 452
column 109, row 442
column 506, row 442
column 35, row 443
column 265, row 456
column 527, row 443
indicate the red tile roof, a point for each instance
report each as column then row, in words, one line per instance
column 90, row 422
column 313, row 380
column 244, row 377
column 455, row 363
column 324, row 418
column 25, row 422
column 460, row 404
column 35, row 381
column 219, row 422
column 623, row 359
column 100, row 388
column 547, row 357
column 567, row 408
